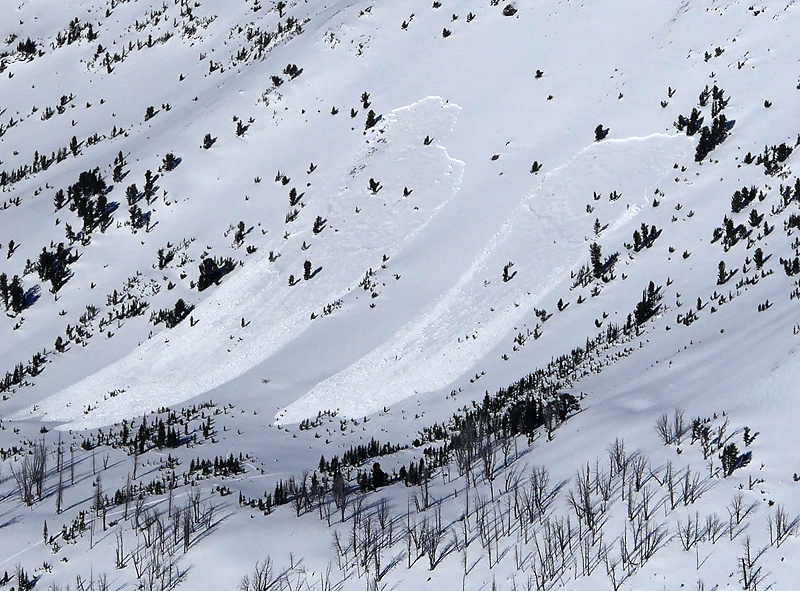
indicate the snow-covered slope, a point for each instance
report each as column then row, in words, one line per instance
column 391, row 209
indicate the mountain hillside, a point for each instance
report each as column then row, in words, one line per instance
column 491, row 294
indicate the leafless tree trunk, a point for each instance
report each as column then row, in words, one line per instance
column 98, row 494
column 506, row 443
column 120, row 550
column 669, row 481
column 689, row 531
column 138, row 562
column 678, row 425
column 540, row 482
column 424, row 484
column 639, row 465
column 102, row 582
column 714, row 527
column 616, row 573
column 648, row 536
column 581, row 501
column 431, row 537
column 127, row 496
column 752, row 573
column 488, row 456
column 176, row 525
column 465, row 447
column 30, row 474
column 187, row 527
column 60, row 492
column 617, row 457
column 664, row 429
column 340, row 493
column 262, row 578
column 780, row 527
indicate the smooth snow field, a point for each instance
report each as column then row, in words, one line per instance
column 399, row 213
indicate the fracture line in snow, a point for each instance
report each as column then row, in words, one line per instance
column 466, row 323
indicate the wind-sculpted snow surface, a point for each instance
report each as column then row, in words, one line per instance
column 176, row 365
column 462, row 326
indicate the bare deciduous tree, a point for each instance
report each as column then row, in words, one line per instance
column 737, row 513
column 30, row 474
column 617, row 457
column 638, row 464
column 689, row 532
column 120, row 549
column 340, row 492
column 678, row 425
column 664, row 429
column 431, row 537
column 539, row 486
column 262, row 577
column 780, row 527
column 751, row 572
column 488, row 456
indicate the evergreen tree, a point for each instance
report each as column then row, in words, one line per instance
column 53, row 266
column 371, row 120
column 138, row 219
column 722, row 273
column 730, row 459
column 212, row 270
column 169, row 163
column 648, row 305
column 5, row 291
column 16, row 295
column 596, row 257
column 132, row 194
column 379, row 477
column 238, row 237
column 149, row 185
column 209, row 272
column 59, row 200
column 758, row 258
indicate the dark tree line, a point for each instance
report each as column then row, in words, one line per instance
column 744, row 197
column 87, row 198
column 713, row 135
column 53, row 266
column 13, row 294
column 645, row 236
column 212, row 270
column 171, row 317
column 357, row 455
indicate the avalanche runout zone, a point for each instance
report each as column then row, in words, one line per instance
column 460, row 328
column 175, row 365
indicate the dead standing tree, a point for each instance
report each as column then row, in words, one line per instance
column 30, row 474
column 340, row 493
